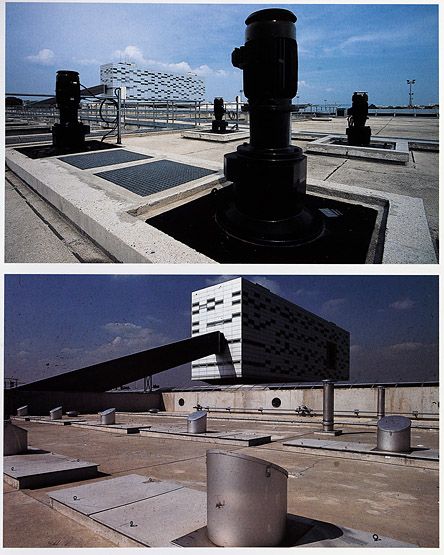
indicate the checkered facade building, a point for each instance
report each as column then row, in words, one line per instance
column 143, row 84
column 269, row 339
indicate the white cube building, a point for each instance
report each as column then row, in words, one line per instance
column 144, row 84
column 269, row 339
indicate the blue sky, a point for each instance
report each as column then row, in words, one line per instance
column 342, row 48
column 59, row 323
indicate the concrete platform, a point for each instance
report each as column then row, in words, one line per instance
column 307, row 532
column 207, row 135
column 114, row 217
column 133, row 510
column 36, row 470
column 393, row 501
column 398, row 153
column 64, row 421
column 418, row 457
column 110, row 428
column 245, row 438
column 417, row 179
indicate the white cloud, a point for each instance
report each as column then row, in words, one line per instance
column 125, row 338
column 218, row 279
column 302, row 292
column 133, row 53
column 44, row 57
column 403, row 304
column 268, row 283
column 333, row 304
column 407, row 347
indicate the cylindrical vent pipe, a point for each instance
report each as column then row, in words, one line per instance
column 381, row 402
column 197, row 422
column 328, row 406
column 394, row 434
column 108, row 416
column 15, row 439
column 22, row 411
column 56, row 414
column 246, row 500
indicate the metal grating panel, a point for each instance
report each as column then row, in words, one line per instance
column 104, row 158
column 146, row 179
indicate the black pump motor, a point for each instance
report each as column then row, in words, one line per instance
column 69, row 133
column 358, row 133
column 268, row 174
column 219, row 125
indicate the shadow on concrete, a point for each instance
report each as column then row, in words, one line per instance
column 302, row 531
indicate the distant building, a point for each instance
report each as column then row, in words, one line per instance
column 269, row 339
column 144, row 84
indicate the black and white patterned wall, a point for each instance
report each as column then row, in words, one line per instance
column 268, row 337
column 144, row 84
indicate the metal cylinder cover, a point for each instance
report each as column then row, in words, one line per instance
column 108, row 416
column 246, row 500
column 394, row 434
column 22, row 411
column 328, row 405
column 15, row 439
column 56, row 413
column 197, row 422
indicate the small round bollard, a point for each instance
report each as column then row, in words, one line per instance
column 56, row 414
column 197, row 422
column 394, row 434
column 22, row 411
column 246, row 500
column 108, row 416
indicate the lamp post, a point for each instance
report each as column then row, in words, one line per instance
column 410, row 82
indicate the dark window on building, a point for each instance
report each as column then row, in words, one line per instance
column 181, row 402
column 235, row 293
column 332, row 355
column 236, row 302
column 276, row 402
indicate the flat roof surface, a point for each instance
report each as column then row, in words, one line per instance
column 396, row 501
column 37, row 242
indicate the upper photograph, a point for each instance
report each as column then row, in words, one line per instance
column 210, row 133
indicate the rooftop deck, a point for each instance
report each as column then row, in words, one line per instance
column 48, row 236
column 394, row 500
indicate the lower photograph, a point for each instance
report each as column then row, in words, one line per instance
column 209, row 411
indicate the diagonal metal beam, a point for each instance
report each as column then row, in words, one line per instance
column 120, row 371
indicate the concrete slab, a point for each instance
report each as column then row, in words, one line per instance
column 307, row 532
column 206, row 135
column 134, row 511
column 245, row 438
column 111, row 493
column 64, row 421
column 394, row 501
column 132, row 241
column 106, row 212
column 40, row 470
column 156, row 522
column 398, row 153
column 110, row 428
column 417, row 457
